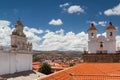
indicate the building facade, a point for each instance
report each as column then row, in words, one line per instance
column 19, row 56
column 102, row 44
column 102, row 48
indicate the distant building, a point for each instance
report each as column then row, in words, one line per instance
column 102, row 44
column 19, row 56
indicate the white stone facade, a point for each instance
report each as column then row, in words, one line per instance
column 102, row 44
column 19, row 56
column 14, row 62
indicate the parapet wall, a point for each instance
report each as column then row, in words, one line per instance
column 102, row 58
column 14, row 62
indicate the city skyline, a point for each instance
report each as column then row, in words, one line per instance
column 58, row 25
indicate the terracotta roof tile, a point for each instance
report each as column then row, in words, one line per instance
column 36, row 65
column 88, row 71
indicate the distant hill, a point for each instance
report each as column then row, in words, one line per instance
column 56, row 54
column 78, row 52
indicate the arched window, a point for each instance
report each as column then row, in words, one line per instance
column 101, row 44
column 111, row 34
column 92, row 34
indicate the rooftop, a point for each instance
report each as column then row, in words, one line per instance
column 87, row 71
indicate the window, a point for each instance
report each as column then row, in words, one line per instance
column 110, row 33
column 92, row 34
column 101, row 44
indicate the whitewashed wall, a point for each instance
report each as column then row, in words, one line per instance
column 93, row 46
column 14, row 62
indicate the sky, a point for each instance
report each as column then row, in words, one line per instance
column 58, row 24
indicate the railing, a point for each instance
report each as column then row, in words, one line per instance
column 104, row 51
column 95, row 77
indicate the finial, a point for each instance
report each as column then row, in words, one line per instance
column 110, row 23
column 19, row 20
column 92, row 24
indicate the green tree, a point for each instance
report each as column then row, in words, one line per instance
column 45, row 69
column 71, row 64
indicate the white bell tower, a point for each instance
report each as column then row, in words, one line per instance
column 111, row 37
column 92, row 37
column 92, row 32
column 18, row 38
column 111, row 32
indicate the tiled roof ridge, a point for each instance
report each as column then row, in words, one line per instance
column 116, row 75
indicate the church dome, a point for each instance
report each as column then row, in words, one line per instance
column 92, row 27
column 110, row 27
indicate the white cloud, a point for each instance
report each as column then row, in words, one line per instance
column 95, row 23
column 31, row 33
column 72, row 8
column 58, row 40
column 101, row 23
column 33, row 30
column 75, row 9
column 56, row 22
column 5, row 31
column 100, row 13
column 114, row 11
column 33, row 36
column 64, row 5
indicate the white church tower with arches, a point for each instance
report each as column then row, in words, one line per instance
column 19, row 40
column 102, row 44
column 19, row 56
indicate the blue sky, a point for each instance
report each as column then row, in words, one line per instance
column 68, row 15
column 38, row 13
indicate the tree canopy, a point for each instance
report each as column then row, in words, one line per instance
column 45, row 69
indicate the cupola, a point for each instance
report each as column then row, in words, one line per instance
column 110, row 27
column 92, row 27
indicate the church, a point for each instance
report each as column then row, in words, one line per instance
column 102, row 44
column 19, row 56
column 102, row 48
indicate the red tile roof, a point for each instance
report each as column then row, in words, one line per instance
column 36, row 65
column 87, row 71
column 1, row 78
